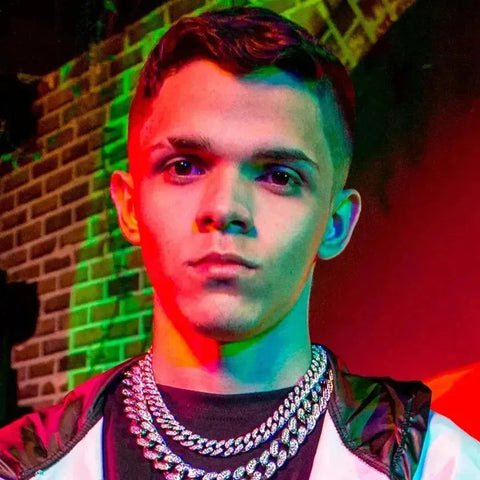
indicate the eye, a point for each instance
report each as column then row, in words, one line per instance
column 282, row 179
column 182, row 170
column 183, row 167
column 279, row 177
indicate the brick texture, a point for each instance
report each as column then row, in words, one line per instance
column 46, row 165
column 6, row 243
column 29, row 233
column 44, row 205
column 79, row 149
column 138, row 31
column 25, row 273
column 45, row 326
column 14, row 258
column 41, row 369
column 59, row 139
column 43, row 247
column 7, row 202
column 71, row 362
column 91, row 122
column 15, row 180
column 59, row 179
column 58, row 221
column 13, row 220
column 48, row 124
column 126, row 61
column 57, row 302
column 74, row 193
column 56, row 263
column 57, row 99
column 57, row 226
column 26, row 352
column 31, row 192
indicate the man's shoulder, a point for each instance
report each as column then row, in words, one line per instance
column 31, row 441
column 359, row 394
column 381, row 420
column 371, row 413
column 448, row 452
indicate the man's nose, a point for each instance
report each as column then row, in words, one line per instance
column 226, row 203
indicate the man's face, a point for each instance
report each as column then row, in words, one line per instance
column 230, row 216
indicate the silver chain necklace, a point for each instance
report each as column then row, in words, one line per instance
column 298, row 414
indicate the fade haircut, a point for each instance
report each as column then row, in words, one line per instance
column 243, row 40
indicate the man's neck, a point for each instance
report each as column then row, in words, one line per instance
column 272, row 360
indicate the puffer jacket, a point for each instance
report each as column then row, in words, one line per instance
column 374, row 429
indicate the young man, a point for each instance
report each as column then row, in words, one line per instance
column 240, row 139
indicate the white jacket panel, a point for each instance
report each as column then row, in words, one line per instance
column 83, row 462
column 448, row 452
column 333, row 460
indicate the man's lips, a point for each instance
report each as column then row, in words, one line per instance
column 226, row 259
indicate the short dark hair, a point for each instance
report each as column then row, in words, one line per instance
column 242, row 40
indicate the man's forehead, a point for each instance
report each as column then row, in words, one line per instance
column 203, row 78
column 204, row 89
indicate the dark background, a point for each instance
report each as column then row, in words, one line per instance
column 38, row 36
column 404, row 299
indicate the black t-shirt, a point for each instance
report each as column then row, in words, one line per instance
column 211, row 415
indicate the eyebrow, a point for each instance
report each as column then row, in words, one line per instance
column 277, row 154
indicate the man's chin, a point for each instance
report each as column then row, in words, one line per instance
column 224, row 321
column 226, row 329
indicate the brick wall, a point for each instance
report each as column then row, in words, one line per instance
column 58, row 227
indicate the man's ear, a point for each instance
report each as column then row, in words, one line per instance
column 121, row 190
column 341, row 223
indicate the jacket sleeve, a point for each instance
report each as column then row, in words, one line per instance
column 448, row 452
